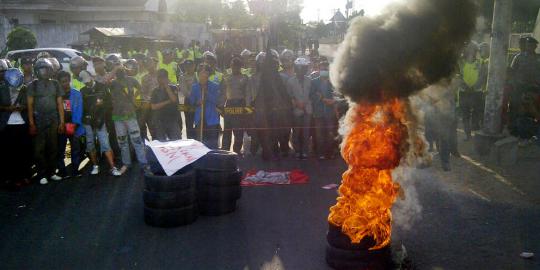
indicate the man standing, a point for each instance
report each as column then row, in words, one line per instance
column 97, row 102
column 324, row 115
column 46, row 119
column 205, row 95
column 299, row 88
column 76, row 65
column 73, row 111
column 186, row 81
column 123, row 92
column 149, row 82
column 169, row 65
column 235, row 96
column 470, row 93
column 164, row 104
column 27, row 69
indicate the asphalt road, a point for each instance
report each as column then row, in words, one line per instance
column 470, row 219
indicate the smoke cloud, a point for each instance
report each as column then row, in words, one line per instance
column 407, row 48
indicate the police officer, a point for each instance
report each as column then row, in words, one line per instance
column 470, row 94
column 76, row 65
column 185, row 82
column 168, row 64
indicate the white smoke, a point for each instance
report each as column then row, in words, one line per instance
column 407, row 209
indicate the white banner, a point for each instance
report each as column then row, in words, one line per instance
column 176, row 155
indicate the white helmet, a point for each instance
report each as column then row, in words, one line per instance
column 209, row 54
column 77, row 62
column 245, row 53
column 260, row 57
column 301, row 62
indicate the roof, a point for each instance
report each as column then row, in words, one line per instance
column 108, row 32
column 338, row 17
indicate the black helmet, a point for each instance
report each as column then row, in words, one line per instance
column 132, row 67
column 43, row 68
column 112, row 60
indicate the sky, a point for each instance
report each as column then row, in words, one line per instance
column 323, row 9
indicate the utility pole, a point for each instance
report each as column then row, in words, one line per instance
column 500, row 34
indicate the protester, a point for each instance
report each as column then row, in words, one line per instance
column 46, row 120
column 186, row 81
column 299, row 87
column 235, row 97
column 205, row 95
column 164, row 104
column 14, row 137
column 73, row 112
column 123, row 92
column 27, row 69
column 323, row 113
column 97, row 101
column 149, row 82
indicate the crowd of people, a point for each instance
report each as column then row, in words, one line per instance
column 283, row 102
column 466, row 99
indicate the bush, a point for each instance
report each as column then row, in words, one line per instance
column 21, row 38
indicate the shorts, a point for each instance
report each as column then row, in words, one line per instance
column 103, row 137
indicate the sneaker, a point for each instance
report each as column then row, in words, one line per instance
column 95, row 170
column 56, row 178
column 115, row 172
column 43, row 181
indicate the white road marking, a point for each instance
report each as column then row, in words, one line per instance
column 479, row 195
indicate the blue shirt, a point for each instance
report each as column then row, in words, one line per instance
column 211, row 115
column 324, row 89
column 76, row 101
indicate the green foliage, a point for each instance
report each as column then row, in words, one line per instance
column 21, row 38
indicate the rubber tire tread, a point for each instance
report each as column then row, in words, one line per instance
column 170, row 199
column 336, row 238
column 219, row 178
column 357, row 259
column 160, row 183
column 218, row 160
column 213, row 193
column 216, row 208
column 168, row 218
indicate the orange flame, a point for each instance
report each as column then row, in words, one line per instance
column 372, row 149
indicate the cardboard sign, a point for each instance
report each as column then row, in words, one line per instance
column 175, row 155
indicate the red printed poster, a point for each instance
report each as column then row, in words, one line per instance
column 175, row 155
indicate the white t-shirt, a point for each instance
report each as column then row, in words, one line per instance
column 15, row 118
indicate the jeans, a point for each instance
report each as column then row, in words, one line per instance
column 191, row 133
column 301, row 134
column 123, row 129
column 144, row 117
column 46, row 150
column 234, row 124
column 472, row 110
column 15, row 144
column 210, row 136
column 102, row 136
column 325, row 129
column 166, row 131
column 75, row 143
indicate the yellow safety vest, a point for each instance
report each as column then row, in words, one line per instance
column 471, row 73
column 76, row 84
column 217, row 77
column 171, row 69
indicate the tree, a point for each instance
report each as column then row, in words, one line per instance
column 21, row 38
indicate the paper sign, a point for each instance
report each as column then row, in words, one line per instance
column 175, row 155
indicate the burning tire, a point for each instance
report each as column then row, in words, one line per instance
column 169, row 200
column 218, row 160
column 183, row 180
column 339, row 240
column 167, row 218
column 216, row 208
column 220, row 178
column 216, row 193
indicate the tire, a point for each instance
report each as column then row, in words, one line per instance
column 359, row 259
column 218, row 160
column 337, row 239
column 167, row 218
column 169, row 200
column 159, row 183
column 216, row 208
column 219, row 179
column 214, row 193
column 153, row 162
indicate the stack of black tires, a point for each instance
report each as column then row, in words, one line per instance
column 169, row 201
column 218, row 183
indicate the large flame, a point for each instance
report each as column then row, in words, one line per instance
column 372, row 149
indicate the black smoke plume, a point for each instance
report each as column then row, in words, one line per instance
column 403, row 50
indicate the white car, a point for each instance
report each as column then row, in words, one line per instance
column 63, row 55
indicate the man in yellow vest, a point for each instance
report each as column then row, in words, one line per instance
column 76, row 65
column 210, row 59
column 470, row 92
column 169, row 65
